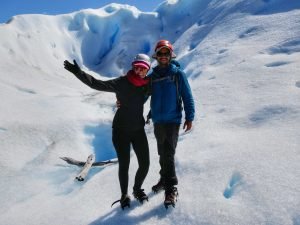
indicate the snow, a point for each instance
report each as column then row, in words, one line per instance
column 239, row 164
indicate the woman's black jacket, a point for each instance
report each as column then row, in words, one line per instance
column 130, row 115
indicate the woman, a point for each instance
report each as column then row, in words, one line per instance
column 128, row 122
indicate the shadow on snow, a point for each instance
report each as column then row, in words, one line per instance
column 101, row 141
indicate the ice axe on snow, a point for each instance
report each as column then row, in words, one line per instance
column 86, row 166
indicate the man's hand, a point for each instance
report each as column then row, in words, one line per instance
column 187, row 125
column 72, row 68
column 118, row 104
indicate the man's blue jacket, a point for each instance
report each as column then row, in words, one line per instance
column 169, row 86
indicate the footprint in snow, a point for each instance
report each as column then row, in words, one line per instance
column 269, row 113
column 223, row 51
column 276, row 64
column 26, row 90
column 288, row 47
column 296, row 220
column 252, row 31
column 2, row 129
column 234, row 182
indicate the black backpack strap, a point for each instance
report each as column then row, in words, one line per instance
column 175, row 78
column 179, row 98
column 149, row 115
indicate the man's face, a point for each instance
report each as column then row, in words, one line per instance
column 163, row 56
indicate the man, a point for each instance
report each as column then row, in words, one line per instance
column 169, row 87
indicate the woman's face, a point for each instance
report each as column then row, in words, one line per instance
column 140, row 71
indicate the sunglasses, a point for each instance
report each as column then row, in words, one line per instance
column 160, row 54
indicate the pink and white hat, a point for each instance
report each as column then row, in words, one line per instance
column 142, row 60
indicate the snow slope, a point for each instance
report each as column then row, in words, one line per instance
column 239, row 164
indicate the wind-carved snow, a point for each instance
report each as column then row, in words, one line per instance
column 109, row 37
column 238, row 165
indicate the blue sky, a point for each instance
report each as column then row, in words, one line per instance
column 10, row 8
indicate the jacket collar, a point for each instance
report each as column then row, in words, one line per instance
column 163, row 71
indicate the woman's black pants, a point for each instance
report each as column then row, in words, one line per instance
column 122, row 141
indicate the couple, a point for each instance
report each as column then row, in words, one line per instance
column 168, row 87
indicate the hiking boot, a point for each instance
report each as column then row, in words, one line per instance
column 159, row 186
column 140, row 195
column 124, row 201
column 171, row 195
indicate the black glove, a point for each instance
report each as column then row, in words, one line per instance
column 72, row 68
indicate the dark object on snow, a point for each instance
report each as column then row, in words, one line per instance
column 140, row 195
column 171, row 196
column 159, row 186
column 124, row 201
column 86, row 168
column 81, row 163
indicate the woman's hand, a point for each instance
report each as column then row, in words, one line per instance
column 72, row 68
